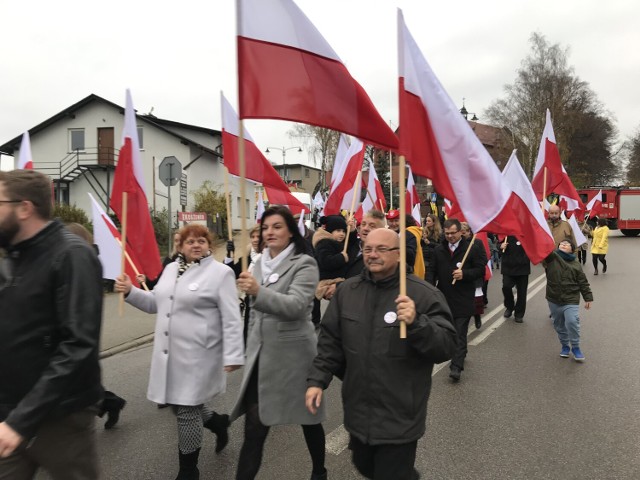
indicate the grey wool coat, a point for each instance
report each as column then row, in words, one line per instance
column 198, row 332
column 282, row 343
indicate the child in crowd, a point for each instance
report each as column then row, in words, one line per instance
column 328, row 243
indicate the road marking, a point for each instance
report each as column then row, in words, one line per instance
column 338, row 439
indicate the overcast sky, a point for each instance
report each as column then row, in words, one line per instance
column 177, row 57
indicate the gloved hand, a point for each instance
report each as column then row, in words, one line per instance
column 230, row 248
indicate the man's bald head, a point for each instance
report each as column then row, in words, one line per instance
column 554, row 212
column 384, row 235
column 381, row 253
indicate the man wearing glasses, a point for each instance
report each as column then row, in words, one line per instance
column 386, row 379
column 51, row 304
column 445, row 266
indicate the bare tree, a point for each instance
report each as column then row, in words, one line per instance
column 321, row 143
column 546, row 80
column 633, row 163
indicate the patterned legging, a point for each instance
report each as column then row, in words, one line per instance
column 190, row 425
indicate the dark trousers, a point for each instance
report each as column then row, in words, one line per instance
column 600, row 257
column 384, row 462
column 65, row 448
column 461, row 325
column 582, row 256
column 521, row 282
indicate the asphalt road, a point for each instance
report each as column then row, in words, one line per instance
column 519, row 412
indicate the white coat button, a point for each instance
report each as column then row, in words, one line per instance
column 166, row 351
column 166, row 334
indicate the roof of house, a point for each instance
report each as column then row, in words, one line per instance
column 487, row 134
column 14, row 144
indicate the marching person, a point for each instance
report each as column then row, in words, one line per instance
column 51, row 302
column 445, row 267
column 197, row 341
column 565, row 283
column 281, row 344
column 560, row 229
column 370, row 221
column 386, row 379
column 600, row 245
column 516, row 269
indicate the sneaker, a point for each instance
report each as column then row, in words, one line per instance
column 578, row 356
column 604, row 268
column 507, row 313
column 564, row 353
column 518, row 319
column 455, row 374
column 596, row 272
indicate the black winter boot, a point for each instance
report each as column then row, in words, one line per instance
column 112, row 405
column 188, row 465
column 219, row 424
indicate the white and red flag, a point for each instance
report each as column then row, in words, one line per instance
column 288, row 71
column 25, row 160
column 343, row 186
column 594, row 207
column 259, row 208
column 549, row 159
column 534, row 236
column 411, row 194
column 577, row 231
column 129, row 178
column 440, row 145
column 374, row 200
column 108, row 240
column 257, row 167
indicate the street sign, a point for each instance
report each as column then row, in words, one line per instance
column 183, row 190
column 169, row 171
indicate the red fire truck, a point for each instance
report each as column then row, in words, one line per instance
column 620, row 205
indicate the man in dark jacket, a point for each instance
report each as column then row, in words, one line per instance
column 516, row 269
column 445, row 266
column 386, row 379
column 51, row 303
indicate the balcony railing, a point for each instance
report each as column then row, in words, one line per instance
column 74, row 163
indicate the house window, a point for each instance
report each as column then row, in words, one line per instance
column 140, row 138
column 239, row 205
column 76, row 139
column 306, row 173
column 247, row 208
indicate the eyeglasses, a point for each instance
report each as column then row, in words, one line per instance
column 10, row 201
column 449, row 234
column 382, row 250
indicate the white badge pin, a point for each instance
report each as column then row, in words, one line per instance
column 518, row 243
column 390, row 317
column 193, row 287
column 458, row 265
column 273, row 278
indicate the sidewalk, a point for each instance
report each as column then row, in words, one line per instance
column 134, row 328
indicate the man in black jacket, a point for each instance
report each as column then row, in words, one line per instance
column 386, row 379
column 516, row 269
column 51, row 303
column 445, row 266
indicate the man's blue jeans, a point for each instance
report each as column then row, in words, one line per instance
column 567, row 323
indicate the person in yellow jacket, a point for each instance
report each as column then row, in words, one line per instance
column 600, row 245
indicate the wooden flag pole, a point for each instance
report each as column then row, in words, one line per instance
column 353, row 206
column 544, row 188
column 133, row 265
column 228, row 202
column 466, row 254
column 123, row 257
column 243, row 195
column 403, row 237
column 390, row 180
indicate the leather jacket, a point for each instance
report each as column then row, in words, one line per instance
column 51, row 304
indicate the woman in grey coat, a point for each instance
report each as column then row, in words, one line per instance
column 281, row 344
column 198, row 339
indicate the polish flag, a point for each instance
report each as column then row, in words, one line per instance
column 440, row 145
column 411, row 195
column 549, row 158
column 339, row 163
column 318, row 201
column 259, row 208
column 128, row 178
column 108, row 240
column 534, row 236
column 577, row 231
column 343, row 186
column 415, row 213
column 301, row 224
column 594, row 207
column 25, row 160
column 374, row 199
column 257, row 167
column 288, row 71
column 448, row 207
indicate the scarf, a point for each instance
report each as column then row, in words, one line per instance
column 568, row 257
column 183, row 266
column 270, row 264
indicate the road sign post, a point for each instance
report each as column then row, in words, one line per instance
column 169, row 171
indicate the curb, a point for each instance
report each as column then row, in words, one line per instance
column 123, row 347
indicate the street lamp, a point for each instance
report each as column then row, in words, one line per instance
column 465, row 113
column 284, row 153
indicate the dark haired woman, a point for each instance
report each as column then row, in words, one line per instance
column 198, row 339
column 600, row 245
column 281, row 344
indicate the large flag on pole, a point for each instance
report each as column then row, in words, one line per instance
column 535, row 236
column 412, row 197
column 107, row 238
column 25, row 160
column 288, row 71
column 374, row 199
column 577, row 231
column 440, row 145
column 343, row 186
column 129, row 178
column 594, row 206
column 258, row 167
column 549, row 158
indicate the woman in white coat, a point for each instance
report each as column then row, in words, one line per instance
column 198, row 338
column 281, row 344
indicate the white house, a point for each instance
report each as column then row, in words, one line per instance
column 78, row 148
